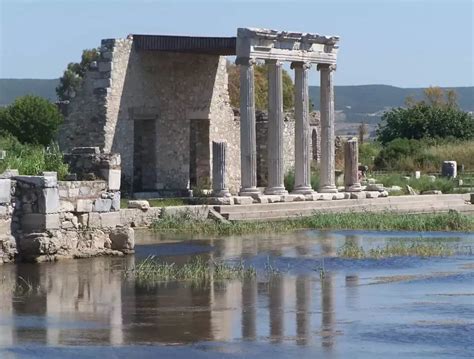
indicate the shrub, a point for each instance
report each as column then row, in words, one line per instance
column 31, row 159
column 368, row 151
column 31, row 119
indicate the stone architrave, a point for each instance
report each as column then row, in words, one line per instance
column 276, row 173
column 219, row 183
column 248, row 142
column 351, row 166
column 302, row 130
column 328, row 178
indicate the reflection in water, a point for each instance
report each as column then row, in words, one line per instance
column 91, row 302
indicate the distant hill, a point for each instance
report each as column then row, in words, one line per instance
column 12, row 88
column 369, row 101
column 354, row 104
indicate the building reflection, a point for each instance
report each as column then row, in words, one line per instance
column 92, row 302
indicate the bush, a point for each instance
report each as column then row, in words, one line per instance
column 368, row 151
column 425, row 121
column 290, row 179
column 31, row 119
column 31, row 159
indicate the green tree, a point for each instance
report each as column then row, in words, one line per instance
column 438, row 116
column 72, row 77
column 261, row 87
column 31, row 119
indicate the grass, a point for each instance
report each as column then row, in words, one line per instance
column 31, row 159
column 445, row 185
column 452, row 221
column 402, row 249
column 151, row 270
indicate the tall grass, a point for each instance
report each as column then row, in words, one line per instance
column 424, row 183
column 452, row 221
column 31, row 159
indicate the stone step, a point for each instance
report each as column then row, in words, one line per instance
column 402, row 208
column 388, row 201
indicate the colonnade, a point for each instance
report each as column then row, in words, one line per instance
column 275, row 129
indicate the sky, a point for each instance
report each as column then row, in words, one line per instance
column 395, row 42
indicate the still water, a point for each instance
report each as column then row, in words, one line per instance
column 400, row 307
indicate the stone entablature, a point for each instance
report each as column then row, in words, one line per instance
column 268, row 44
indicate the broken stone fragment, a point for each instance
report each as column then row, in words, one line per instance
column 122, row 239
column 140, row 204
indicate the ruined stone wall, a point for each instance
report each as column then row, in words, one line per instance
column 170, row 89
column 7, row 203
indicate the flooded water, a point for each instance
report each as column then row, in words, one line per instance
column 318, row 306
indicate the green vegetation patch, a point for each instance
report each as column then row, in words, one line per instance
column 399, row 249
column 152, row 270
column 452, row 221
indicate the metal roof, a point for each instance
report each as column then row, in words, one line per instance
column 189, row 44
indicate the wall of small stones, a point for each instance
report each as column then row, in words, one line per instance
column 7, row 241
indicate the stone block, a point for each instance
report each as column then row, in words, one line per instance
column 102, row 205
column 358, row 195
column 48, row 200
column 113, row 178
column 5, row 190
column 102, row 83
column 84, row 205
column 339, row 195
column 221, row 201
column 109, row 220
column 115, row 201
column 94, row 220
column 311, row 196
column 263, row 198
column 39, row 181
column 372, row 194
column 326, row 196
column 375, row 187
column 140, row 204
column 9, row 174
column 83, row 219
column 243, row 200
column 40, row 222
column 122, row 239
column 288, row 197
column 66, row 206
column 432, row 191
column 105, row 66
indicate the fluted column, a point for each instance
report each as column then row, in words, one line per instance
column 248, row 142
column 219, row 183
column 302, row 131
column 351, row 166
column 275, row 129
column 328, row 178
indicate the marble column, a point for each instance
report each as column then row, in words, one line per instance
column 219, row 184
column 351, row 166
column 302, row 130
column 327, row 166
column 276, row 173
column 248, row 142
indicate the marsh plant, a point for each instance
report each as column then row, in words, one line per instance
column 152, row 270
column 397, row 249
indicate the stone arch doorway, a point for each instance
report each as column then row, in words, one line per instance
column 314, row 146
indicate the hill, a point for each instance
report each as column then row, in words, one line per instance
column 12, row 88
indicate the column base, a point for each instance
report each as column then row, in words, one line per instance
column 328, row 189
column 302, row 190
column 276, row 191
column 253, row 192
column 356, row 187
column 221, row 193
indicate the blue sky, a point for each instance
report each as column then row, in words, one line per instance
column 395, row 42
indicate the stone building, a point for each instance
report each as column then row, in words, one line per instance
column 160, row 102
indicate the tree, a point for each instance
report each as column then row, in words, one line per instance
column 261, row 87
column 438, row 116
column 31, row 119
column 72, row 77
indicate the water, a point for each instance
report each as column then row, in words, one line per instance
column 405, row 307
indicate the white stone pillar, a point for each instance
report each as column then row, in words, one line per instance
column 276, row 173
column 351, row 166
column 219, row 183
column 302, row 130
column 248, row 142
column 327, row 166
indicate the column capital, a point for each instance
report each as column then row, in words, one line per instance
column 246, row 61
column 300, row 64
column 330, row 67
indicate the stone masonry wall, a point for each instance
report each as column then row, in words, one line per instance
column 7, row 203
column 170, row 89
